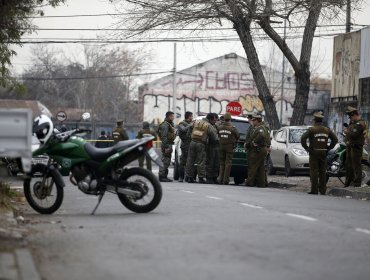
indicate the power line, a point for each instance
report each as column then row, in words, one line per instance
column 86, row 15
column 180, row 29
column 87, row 77
column 152, row 40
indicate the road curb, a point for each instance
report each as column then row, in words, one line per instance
column 347, row 193
column 26, row 266
column 16, row 264
column 279, row 185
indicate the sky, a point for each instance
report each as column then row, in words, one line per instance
column 162, row 54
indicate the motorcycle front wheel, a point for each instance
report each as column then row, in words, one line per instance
column 144, row 181
column 42, row 192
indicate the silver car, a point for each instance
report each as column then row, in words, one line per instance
column 287, row 152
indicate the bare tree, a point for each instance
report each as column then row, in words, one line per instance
column 104, row 84
column 245, row 16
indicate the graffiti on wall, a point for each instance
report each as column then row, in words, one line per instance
column 209, row 87
column 346, row 64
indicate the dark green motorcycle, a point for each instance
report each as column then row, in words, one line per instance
column 336, row 166
column 94, row 171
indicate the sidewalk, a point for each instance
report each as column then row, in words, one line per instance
column 334, row 186
column 16, row 261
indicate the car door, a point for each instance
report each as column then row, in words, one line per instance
column 277, row 148
column 282, row 144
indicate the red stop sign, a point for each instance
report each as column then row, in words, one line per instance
column 234, row 108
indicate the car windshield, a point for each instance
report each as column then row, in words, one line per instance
column 241, row 127
column 295, row 135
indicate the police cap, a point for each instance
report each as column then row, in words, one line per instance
column 227, row 116
column 318, row 115
column 256, row 117
column 351, row 110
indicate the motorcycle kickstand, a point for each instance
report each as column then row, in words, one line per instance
column 99, row 200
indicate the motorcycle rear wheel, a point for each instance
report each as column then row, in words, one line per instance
column 44, row 198
column 140, row 178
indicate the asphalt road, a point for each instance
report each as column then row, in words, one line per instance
column 205, row 232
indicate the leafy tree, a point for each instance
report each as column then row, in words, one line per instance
column 15, row 21
column 246, row 17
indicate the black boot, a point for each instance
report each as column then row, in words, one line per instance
column 209, row 181
column 190, row 180
column 201, row 180
column 182, row 175
column 164, row 179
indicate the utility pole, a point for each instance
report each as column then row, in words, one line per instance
column 348, row 18
column 174, row 82
column 282, row 76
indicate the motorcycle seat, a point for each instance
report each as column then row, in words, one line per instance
column 100, row 154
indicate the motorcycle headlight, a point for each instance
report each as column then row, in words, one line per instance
column 300, row 152
column 334, row 167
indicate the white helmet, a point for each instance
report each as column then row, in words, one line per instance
column 43, row 128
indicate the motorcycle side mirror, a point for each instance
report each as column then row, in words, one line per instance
column 345, row 124
column 86, row 116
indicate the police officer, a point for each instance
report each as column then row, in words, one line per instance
column 119, row 133
column 318, row 136
column 202, row 131
column 268, row 145
column 146, row 132
column 212, row 154
column 167, row 135
column 228, row 135
column 355, row 140
column 248, row 143
column 182, row 132
column 258, row 152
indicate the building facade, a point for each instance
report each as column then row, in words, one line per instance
column 210, row 86
column 351, row 76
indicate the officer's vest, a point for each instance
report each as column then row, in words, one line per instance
column 361, row 138
column 319, row 137
column 117, row 134
column 171, row 131
column 145, row 132
column 227, row 136
column 200, row 131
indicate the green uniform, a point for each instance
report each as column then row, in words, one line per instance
column 202, row 132
column 146, row 132
column 318, row 136
column 228, row 135
column 119, row 134
column 166, row 132
column 212, row 158
column 257, row 148
column 183, row 132
column 248, row 145
column 355, row 140
column 268, row 144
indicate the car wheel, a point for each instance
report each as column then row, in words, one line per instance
column 270, row 167
column 238, row 180
column 288, row 170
